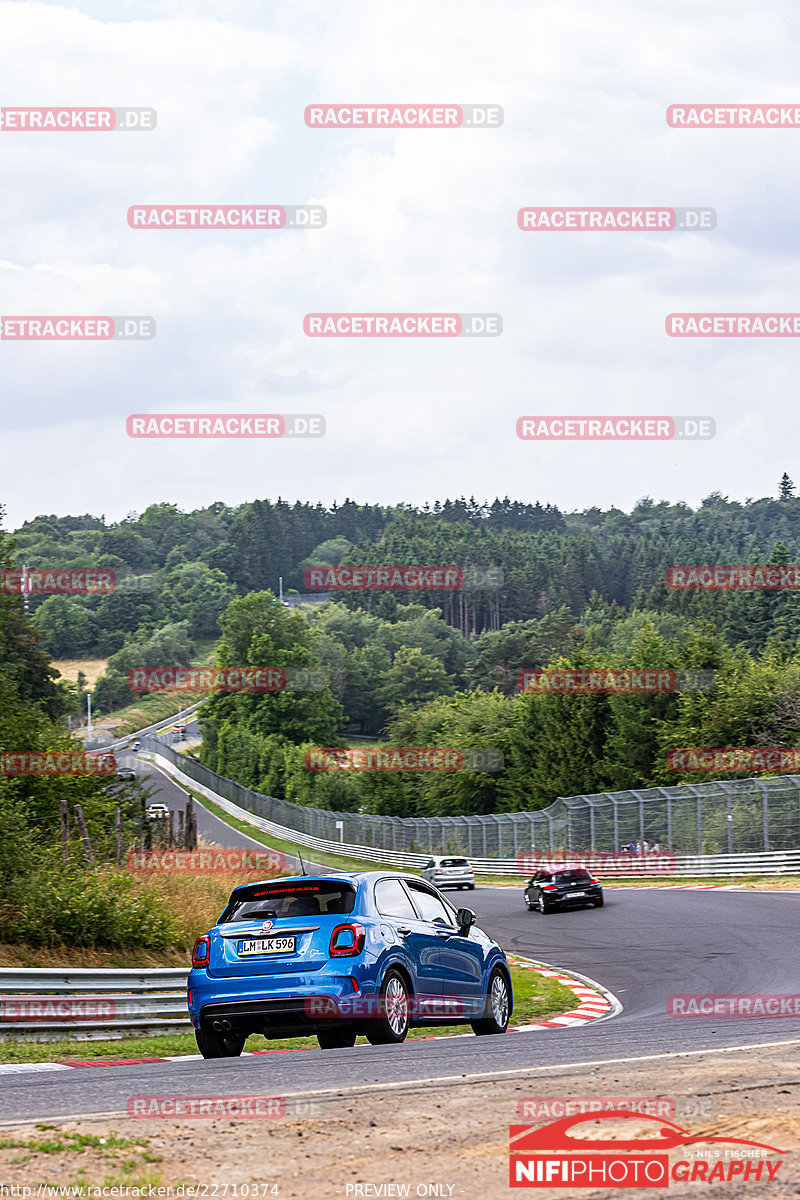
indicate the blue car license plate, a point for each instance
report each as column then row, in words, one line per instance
column 273, row 945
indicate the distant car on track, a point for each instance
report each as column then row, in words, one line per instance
column 157, row 812
column 136, row 746
column 127, row 774
column 450, row 871
column 548, row 890
column 342, row 955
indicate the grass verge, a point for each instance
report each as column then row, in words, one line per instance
column 536, row 998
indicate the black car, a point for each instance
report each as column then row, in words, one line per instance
column 562, row 889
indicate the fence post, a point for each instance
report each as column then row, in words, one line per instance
column 84, row 832
column 699, row 825
column 728, row 814
column 190, row 826
column 64, row 830
column 765, row 801
column 591, row 827
column 616, row 823
column 669, row 822
column 641, row 819
column 118, row 832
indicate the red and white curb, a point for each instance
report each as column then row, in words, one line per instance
column 594, row 1001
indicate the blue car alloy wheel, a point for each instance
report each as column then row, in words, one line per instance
column 339, row 956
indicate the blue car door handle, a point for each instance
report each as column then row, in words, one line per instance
column 403, row 929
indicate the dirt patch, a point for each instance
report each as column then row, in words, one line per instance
column 455, row 1138
column 92, row 668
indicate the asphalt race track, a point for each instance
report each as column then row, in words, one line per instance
column 644, row 945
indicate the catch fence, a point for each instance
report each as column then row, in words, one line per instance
column 743, row 816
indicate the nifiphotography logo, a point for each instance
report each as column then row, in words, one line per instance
column 552, row 1156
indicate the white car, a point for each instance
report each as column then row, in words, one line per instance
column 449, row 871
column 157, row 812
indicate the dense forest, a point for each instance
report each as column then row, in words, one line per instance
column 439, row 668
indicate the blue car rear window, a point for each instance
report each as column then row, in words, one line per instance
column 312, row 899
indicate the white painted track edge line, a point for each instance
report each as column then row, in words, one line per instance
column 464, row 1079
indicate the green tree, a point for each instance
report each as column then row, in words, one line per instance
column 197, row 594
column 414, row 678
column 68, row 628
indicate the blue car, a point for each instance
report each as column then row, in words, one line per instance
column 341, row 955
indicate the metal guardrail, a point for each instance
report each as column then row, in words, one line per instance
column 742, row 816
column 122, row 743
column 780, row 862
column 85, row 1004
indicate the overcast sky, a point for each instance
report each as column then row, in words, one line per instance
column 418, row 220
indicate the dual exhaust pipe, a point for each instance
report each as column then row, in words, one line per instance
column 221, row 1026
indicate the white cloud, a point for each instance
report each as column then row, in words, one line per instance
column 417, row 220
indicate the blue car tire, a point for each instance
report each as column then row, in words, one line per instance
column 215, row 1045
column 498, row 1006
column 336, row 1039
column 393, row 1024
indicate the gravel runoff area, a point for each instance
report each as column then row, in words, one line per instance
column 433, row 1139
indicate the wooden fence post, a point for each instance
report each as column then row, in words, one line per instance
column 84, row 832
column 118, row 832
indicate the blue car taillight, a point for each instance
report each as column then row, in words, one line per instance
column 347, row 940
column 201, row 952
